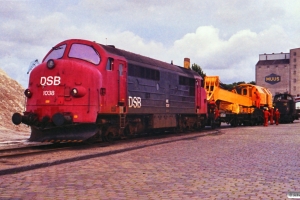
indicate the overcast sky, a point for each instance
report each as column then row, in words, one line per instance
column 224, row 37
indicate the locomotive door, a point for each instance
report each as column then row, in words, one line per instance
column 122, row 84
column 167, row 93
column 198, row 95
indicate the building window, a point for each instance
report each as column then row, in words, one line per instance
column 295, row 53
column 295, row 80
column 295, row 60
column 294, row 88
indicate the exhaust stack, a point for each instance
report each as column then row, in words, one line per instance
column 186, row 63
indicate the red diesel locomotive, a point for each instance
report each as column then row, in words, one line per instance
column 85, row 90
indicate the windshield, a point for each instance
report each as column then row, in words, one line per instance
column 56, row 53
column 278, row 97
column 84, row 52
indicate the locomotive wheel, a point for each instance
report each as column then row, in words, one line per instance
column 291, row 120
column 258, row 116
column 109, row 137
column 176, row 130
column 212, row 124
column 126, row 131
column 218, row 122
column 234, row 123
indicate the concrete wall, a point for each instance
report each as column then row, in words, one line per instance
column 281, row 70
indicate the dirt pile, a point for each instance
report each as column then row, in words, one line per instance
column 12, row 100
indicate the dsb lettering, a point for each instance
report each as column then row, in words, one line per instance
column 135, row 102
column 50, row 80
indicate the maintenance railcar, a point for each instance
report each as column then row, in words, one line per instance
column 241, row 106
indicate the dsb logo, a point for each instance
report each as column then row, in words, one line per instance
column 135, row 102
column 50, row 80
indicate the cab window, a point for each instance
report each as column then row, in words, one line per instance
column 84, row 52
column 277, row 98
column 110, row 64
column 56, row 53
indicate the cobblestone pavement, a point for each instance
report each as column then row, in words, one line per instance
column 242, row 163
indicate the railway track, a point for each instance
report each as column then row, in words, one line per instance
column 19, row 159
column 23, row 150
column 32, row 150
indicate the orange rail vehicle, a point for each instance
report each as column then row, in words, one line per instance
column 243, row 105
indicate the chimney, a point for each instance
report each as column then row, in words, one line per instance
column 186, row 63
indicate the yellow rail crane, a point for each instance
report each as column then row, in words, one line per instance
column 243, row 105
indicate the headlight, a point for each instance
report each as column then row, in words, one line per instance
column 78, row 91
column 50, row 64
column 74, row 92
column 28, row 93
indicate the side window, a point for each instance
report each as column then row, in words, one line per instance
column 120, row 69
column 244, row 91
column 110, row 64
column 202, row 83
column 190, row 82
column 143, row 72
